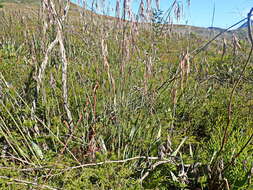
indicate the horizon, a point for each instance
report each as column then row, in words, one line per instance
column 198, row 13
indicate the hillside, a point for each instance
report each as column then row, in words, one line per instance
column 93, row 102
column 245, row 25
column 181, row 29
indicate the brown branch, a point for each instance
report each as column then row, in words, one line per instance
column 236, row 84
column 112, row 161
column 87, row 165
column 225, row 136
column 238, row 154
column 71, row 135
column 164, row 161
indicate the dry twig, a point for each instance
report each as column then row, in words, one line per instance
column 28, row 183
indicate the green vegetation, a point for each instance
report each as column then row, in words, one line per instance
column 134, row 92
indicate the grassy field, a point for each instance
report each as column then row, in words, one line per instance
column 147, row 111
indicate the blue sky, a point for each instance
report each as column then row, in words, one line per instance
column 227, row 12
column 200, row 12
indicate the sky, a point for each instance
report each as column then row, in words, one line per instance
column 227, row 12
column 204, row 13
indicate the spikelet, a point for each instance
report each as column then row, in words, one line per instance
column 83, row 3
column 117, row 9
column 188, row 68
column 184, row 68
column 148, row 10
column 106, row 63
column 141, row 10
column 127, row 9
column 189, row 3
column 224, row 48
column 236, row 44
column 157, row 2
column 177, row 11
column 52, row 81
column 236, row 41
column 174, row 96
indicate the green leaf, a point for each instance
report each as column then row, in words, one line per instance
column 174, row 178
column 178, row 148
column 37, row 150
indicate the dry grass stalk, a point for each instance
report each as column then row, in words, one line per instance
column 149, row 66
column 134, row 31
column 45, row 17
column 59, row 39
column 184, row 68
column 236, row 45
column 147, row 73
column 157, row 4
column 92, row 145
column 148, row 10
column 82, row 14
column 174, row 96
column 125, row 52
column 142, row 10
column 106, row 65
column 117, row 9
column 224, row 48
column 178, row 9
column 174, row 102
column 44, row 64
column 189, row 3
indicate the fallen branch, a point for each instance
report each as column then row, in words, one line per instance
column 113, row 161
column 95, row 164
column 225, row 136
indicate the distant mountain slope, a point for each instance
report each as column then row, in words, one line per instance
column 216, row 28
column 180, row 29
column 245, row 25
